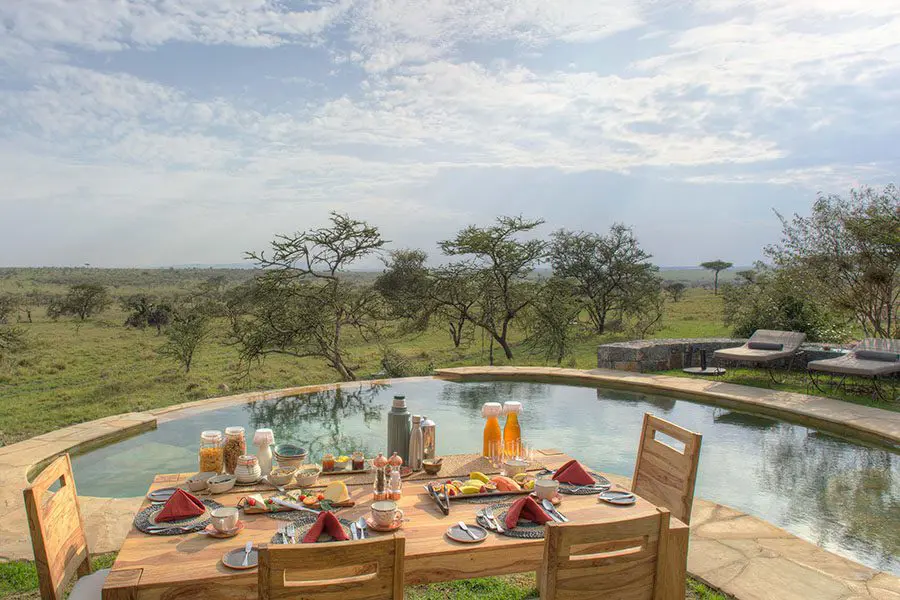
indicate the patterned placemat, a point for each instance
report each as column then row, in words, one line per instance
column 601, row 485
column 143, row 521
column 524, row 529
column 303, row 523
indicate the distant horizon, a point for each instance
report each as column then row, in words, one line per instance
column 239, row 266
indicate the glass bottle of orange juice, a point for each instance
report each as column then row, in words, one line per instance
column 493, row 436
column 512, row 432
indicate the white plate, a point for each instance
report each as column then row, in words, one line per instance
column 620, row 498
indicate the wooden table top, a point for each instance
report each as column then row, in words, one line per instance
column 147, row 561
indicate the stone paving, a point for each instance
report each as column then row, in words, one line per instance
column 741, row 555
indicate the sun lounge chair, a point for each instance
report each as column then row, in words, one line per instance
column 765, row 348
column 874, row 359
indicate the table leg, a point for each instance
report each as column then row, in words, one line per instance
column 122, row 584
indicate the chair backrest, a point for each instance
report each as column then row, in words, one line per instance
column 57, row 530
column 608, row 559
column 369, row 569
column 790, row 340
column 665, row 475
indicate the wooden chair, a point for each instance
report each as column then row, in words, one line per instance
column 58, row 537
column 610, row 559
column 663, row 475
column 370, row 569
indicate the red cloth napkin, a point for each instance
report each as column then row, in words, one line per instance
column 527, row 509
column 182, row 505
column 573, row 472
column 328, row 523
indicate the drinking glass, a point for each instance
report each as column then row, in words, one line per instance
column 495, row 453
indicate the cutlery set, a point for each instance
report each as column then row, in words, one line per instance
column 358, row 529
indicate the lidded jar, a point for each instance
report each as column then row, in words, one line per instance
column 211, row 452
column 247, row 469
column 235, row 447
column 512, row 432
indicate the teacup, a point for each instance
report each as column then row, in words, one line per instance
column 385, row 513
column 224, row 519
column 545, row 489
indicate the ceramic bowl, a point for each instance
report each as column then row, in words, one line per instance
column 221, row 483
column 282, row 478
column 431, row 467
column 198, row 481
column 514, row 466
column 289, row 455
column 307, row 476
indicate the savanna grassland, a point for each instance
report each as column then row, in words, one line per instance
column 73, row 371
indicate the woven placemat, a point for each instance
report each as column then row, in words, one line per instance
column 304, row 523
column 601, row 485
column 524, row 529
column 143, row 521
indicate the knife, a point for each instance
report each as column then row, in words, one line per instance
column 557, row 516
column 353, row 534
column 467, row 530
column 247, row 550
column 293, row 505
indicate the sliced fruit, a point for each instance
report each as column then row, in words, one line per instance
column 470, row 489
column 529, row 485
column 479, row 476
column 520, row 477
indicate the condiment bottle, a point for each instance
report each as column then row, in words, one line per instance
column 380, row 487
column 235, row 447
column 211, row 452
column 357, row 461
column 416, row 448
column 512, row 433
column 493, row 436
column 429, row 438
column 399, row 428
column 395, row 485
column 263, row 440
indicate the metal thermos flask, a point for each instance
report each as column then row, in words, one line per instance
column 399, row 429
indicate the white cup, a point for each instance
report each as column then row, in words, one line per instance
column 385, row 513
column 545, row 489
column 224, row 519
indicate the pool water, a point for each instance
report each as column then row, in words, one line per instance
column 840, row 495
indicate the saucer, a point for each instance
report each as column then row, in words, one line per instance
column 215, row 533
column 371, row 524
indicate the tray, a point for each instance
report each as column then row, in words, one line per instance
column 367, row 469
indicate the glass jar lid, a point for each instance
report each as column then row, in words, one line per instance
column 234, row 431
column 512, row 408
column 211, row 436
column 491, row 409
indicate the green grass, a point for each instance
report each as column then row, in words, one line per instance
column 73, row 372
column 18, row 581
column 793, row 382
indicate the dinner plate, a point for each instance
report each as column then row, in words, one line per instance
column 456, row 534
column 235, row 559
column 161, row 495
column 618, row 497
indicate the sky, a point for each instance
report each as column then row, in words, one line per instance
column 159, row 132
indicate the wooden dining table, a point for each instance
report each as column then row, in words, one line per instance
column 189, row 566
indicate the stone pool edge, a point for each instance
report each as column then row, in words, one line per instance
column 731, row 551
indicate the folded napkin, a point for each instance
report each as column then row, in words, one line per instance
column 573, row 472
column 527, row 509
column 182, row 505
column 328, row 523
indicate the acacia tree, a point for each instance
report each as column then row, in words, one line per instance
column 404, row 286
column 82, row 300
column 607, row 270
column 453, row 296
column 847, row 253
column 498, row 264
column 187, row 331
column 301, row 306
column 553, row 320
column 675, row 289
column 716, row 265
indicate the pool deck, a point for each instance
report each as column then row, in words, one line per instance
column 741, row 555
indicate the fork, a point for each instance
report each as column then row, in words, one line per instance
column 362, row 525
column 489, row 515
column 282, row 533
column 291, row 530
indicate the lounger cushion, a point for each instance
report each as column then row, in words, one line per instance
column 877, row 355
column 765, row 346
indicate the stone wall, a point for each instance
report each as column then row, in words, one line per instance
column 645, row 356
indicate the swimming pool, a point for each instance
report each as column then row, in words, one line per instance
column 841, row 495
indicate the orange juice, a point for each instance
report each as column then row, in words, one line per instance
column 493, row 436
column 512, row 433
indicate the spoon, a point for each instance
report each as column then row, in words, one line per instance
column 361, row 527
column 548, row 506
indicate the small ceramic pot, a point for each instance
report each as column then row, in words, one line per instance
column 247, row 470
column 514, row 466
column 307, row 476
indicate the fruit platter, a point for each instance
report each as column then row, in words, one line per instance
column 480, row 485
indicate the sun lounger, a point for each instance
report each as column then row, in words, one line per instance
column 765, row 348
column 875, row 359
